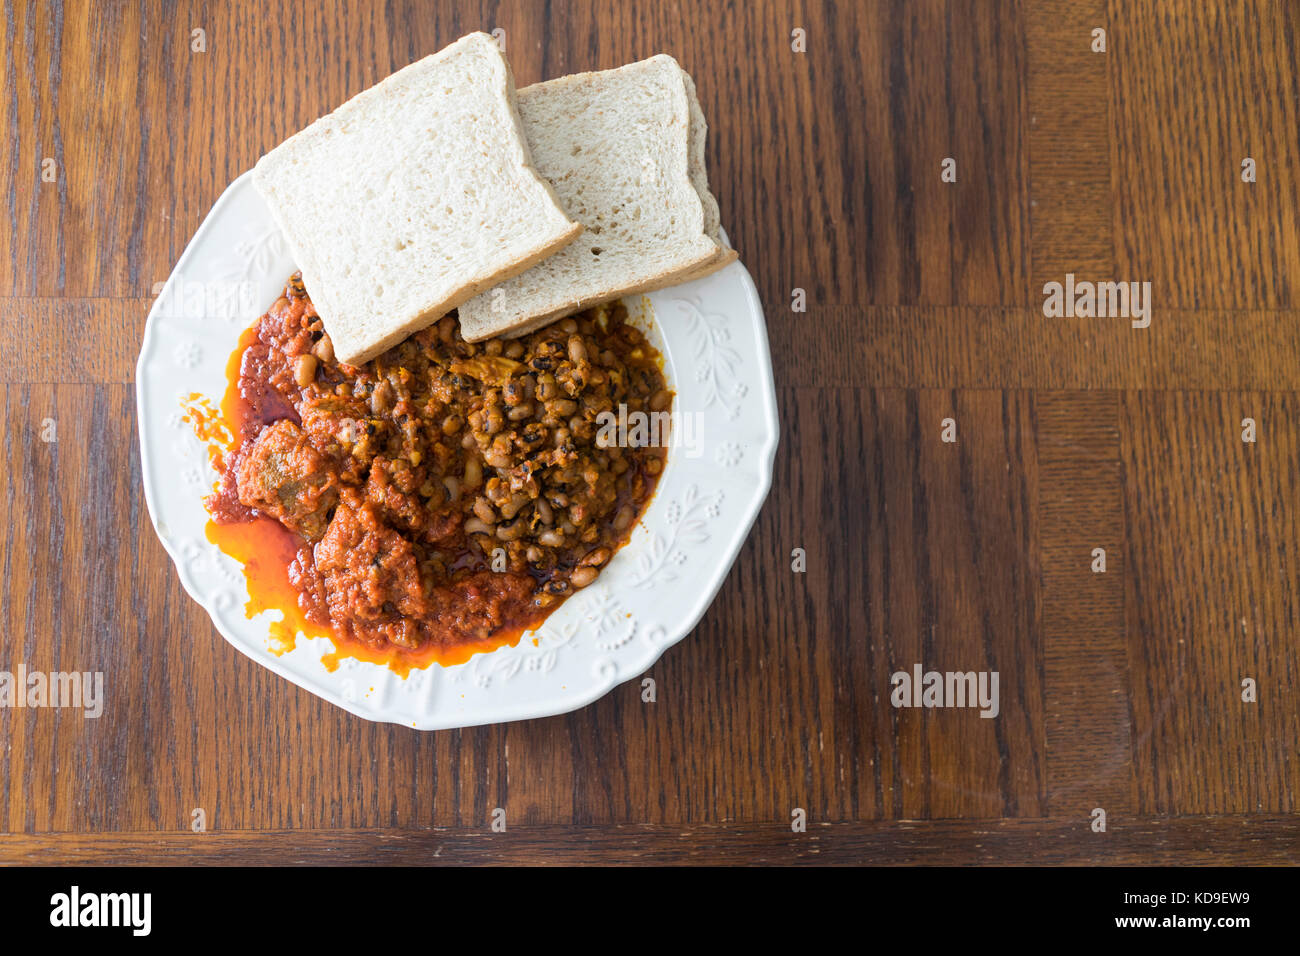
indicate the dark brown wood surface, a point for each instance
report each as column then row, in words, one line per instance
column 1119, row 691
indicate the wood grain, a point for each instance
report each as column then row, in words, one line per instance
column 1069, row 135
column 1255, row 839
column 1211, row 600
column 986, row 347
column 919, row 552
column 1120, row 690
column 1081, row 503
column 1185, row 117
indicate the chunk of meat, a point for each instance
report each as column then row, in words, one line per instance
column 372, row 581
column 284, row 476
column 391, row 488
column 369, row 570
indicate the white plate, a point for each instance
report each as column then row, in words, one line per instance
column 651, row 594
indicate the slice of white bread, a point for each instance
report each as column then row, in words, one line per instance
column 624, row 150
column 413, row 197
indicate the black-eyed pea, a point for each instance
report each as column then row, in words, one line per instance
column 577, row 350
column 304, row 370
column 479, row 526
column 512, row 531
column 473, row 473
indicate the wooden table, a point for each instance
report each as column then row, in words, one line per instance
column 1119, row 690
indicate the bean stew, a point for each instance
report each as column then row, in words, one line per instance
column 445, row 494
